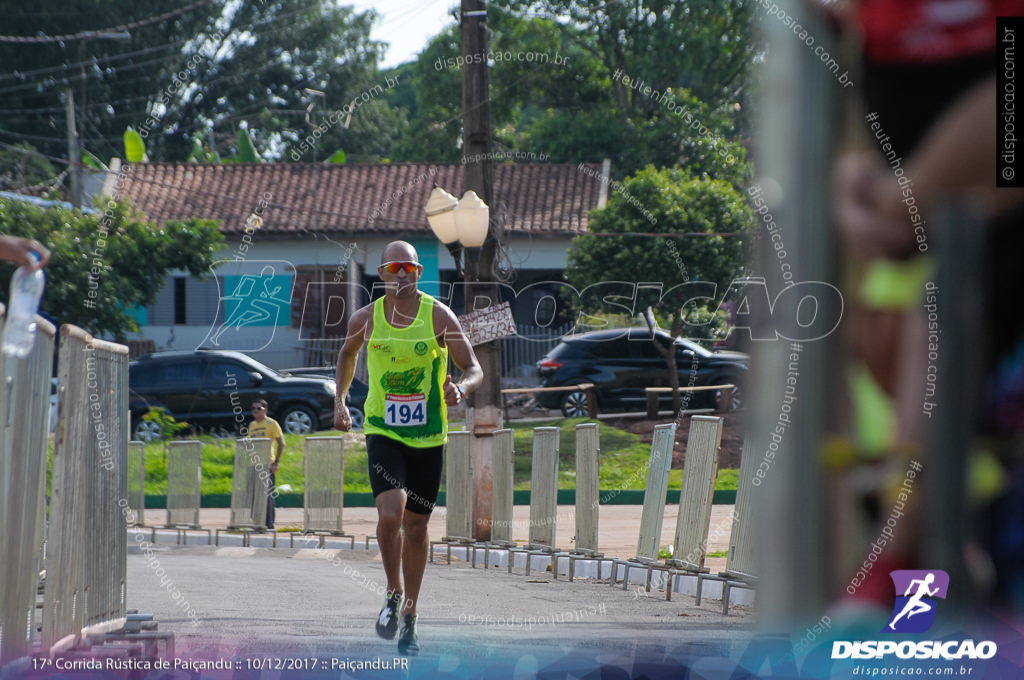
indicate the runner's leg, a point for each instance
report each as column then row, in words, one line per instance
column 414, row 557
column 387, row 467
column 423, row 481
column 390, row 511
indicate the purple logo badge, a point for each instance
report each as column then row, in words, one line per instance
column 916, row 594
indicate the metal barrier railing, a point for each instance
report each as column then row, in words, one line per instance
column 588, row 453
column 184, row 483
column 503, row 482
column 700, row 468
column 743, row 548
column 544, row 488
column 458, row 489
column 653, row 513
column 250, row 483
column 24, row 406
column 136, row 473
column 324, row 467
column 86, row 551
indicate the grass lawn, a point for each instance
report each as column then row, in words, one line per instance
column 623, row 462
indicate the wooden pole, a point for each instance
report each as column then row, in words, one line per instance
column 483, row 414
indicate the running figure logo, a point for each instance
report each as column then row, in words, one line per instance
column 915, row 608
column 252, row 306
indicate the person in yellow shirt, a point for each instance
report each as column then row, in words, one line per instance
column 263, row 426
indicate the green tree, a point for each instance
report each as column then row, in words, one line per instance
column 674, row 268
column 105, row 265
column 194, row 75
column 638, row 57
column 22, row 166
column 522, row 90
column 703, row 46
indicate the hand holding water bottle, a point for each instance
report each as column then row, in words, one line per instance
column 20, row 251
column 26, row 291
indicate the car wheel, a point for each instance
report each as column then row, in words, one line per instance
column 357, row 417
column 574, row 404
column 146, row 431
column 298, row 420
column 737, row 394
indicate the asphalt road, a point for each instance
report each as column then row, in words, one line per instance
column 283, row 610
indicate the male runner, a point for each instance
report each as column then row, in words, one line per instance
column 410, row 335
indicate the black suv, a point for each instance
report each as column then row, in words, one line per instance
column 205, row 388
column 622, row 362
column 357, row 391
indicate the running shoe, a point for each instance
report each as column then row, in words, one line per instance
column 387, row 620
column 408, row 645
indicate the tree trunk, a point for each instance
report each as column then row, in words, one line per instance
column 670, row 356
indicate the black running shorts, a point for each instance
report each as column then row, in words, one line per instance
column 394, row 465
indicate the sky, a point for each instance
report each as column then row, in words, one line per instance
column 407, row 25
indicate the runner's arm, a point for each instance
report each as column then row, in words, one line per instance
column 451, row 334
column 346, row 368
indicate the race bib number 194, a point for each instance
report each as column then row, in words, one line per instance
column 405, row 410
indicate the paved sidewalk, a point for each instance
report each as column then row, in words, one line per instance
column 618, row 526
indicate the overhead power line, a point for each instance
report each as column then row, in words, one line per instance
column 98, row 32
column 63, row 75
column 97, row 61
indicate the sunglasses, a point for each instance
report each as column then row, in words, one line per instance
column 394, row 267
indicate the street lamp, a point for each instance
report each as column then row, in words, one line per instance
column 472, row 218
column 441, row 217
column 458, row 224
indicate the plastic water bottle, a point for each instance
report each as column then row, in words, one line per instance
column 20, row 327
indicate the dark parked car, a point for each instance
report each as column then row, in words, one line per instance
column 205, row 388
column 623, row 362
column 357, row 391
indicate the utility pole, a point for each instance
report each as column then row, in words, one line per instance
column 73, row 154
column 483, row 415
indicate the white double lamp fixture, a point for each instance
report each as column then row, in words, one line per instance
column 458, row 224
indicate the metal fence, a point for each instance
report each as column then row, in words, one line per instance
column 324, row 468
column 653, row 512
column 24, row 396
column 521, row 352
column 700, row 468
column 86, row 549
column 544, row 487
column 136, row 472
column 588, row 455
column 458, row 489
column 184, row 483
column 250, row 484
column 321, row 352
column 503, row 482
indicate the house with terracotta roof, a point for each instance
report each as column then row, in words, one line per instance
column 304, row 241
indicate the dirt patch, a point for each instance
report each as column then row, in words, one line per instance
column 732, row 436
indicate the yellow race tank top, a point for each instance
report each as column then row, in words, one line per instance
column 407, row 368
